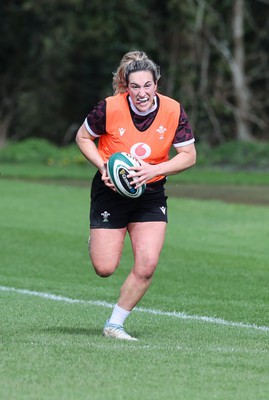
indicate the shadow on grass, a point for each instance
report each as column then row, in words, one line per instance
column 74, row 331
column 89, row 332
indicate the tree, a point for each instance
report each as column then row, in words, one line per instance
column 209, row 54
column 57, row 58
column 238, row 98
column 16, row 60
column 235, row 57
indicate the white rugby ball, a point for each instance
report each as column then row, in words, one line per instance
column 118, row 168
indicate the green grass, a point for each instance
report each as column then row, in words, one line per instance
column 43, row 171
column 214, row 264
column 85, row 172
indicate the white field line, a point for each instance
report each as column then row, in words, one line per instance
column 174, row 314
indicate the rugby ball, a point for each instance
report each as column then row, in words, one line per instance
column 118, row 168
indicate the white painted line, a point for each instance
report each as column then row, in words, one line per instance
column 174, row 314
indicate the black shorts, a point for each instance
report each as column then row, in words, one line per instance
column 111, row 210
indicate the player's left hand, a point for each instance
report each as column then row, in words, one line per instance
column 142, row 173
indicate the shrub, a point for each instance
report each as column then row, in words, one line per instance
column 40, row 151
column 246, row 155
column 237, row 155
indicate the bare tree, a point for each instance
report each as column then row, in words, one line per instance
column 203, row 52
column 237, row 65
column 234, row 54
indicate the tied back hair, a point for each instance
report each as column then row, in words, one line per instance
column 132, row 62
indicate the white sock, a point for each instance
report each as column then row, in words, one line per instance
column 119, row 315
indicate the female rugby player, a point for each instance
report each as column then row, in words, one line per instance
column 138, row 120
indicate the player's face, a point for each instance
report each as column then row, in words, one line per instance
column 142, row 89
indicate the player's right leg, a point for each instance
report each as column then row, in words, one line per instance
column 108, row 222
column 105, row 249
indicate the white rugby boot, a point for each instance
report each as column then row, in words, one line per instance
column 116, row 332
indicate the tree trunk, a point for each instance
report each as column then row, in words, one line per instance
column 4, row 125
column 242, row 95
column 173, row 61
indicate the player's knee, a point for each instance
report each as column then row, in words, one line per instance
column 104, row 270
column 146, row 273
column 104, row 266
column 144, row 276
column 151, row 266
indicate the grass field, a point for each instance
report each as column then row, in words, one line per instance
column 84, row 172
column 203, row 327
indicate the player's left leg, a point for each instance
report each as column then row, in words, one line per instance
column 147, row 240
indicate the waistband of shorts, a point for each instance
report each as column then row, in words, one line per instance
column 149, row 186
column 156, row 184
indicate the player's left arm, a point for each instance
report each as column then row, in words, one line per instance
column 184, row 159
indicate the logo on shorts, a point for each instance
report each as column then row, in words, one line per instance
column 105, row 216
column 163, row 209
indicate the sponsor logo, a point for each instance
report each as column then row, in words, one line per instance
column 125, row 181
column 140, row 150
column 122, row 131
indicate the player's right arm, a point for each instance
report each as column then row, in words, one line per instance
column 88, row 148
column 86, row 144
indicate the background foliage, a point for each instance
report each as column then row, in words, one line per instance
column 57, row 59
column 249, row 156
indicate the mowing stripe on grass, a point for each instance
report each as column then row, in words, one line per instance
column 175, row 314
